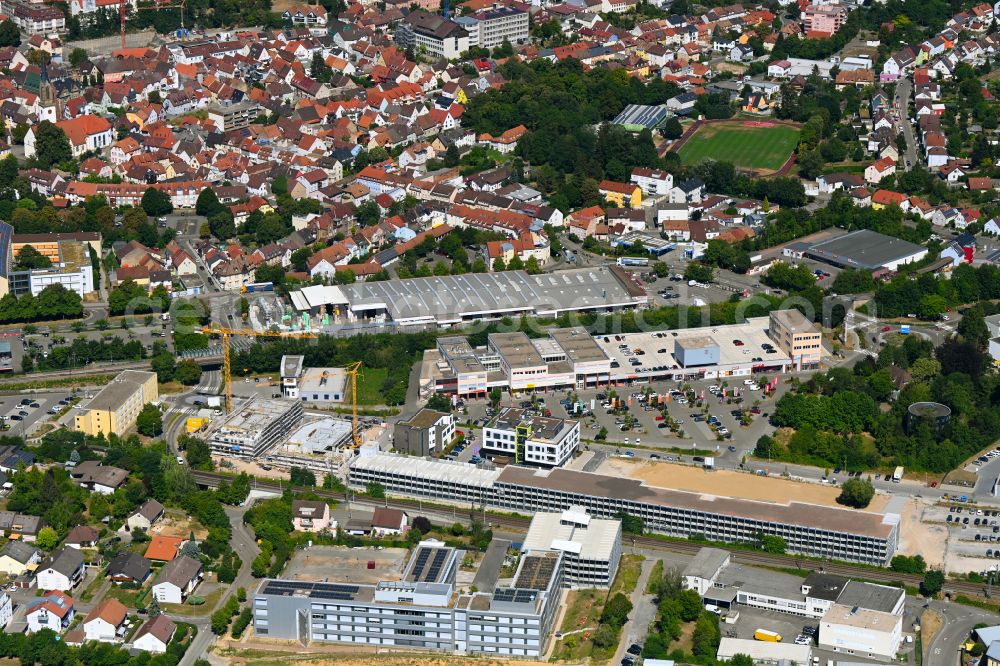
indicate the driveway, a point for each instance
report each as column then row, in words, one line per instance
column 642, row 615
column 904, row 88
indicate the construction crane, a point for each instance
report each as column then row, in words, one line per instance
column 158, row 5
column 226, row 333
column 353, row 370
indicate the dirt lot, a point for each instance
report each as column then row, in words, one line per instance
column 727, row 483
column 349, row 564
column 178, row 524
column 916, row 536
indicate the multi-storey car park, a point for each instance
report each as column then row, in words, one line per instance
column 812, row 530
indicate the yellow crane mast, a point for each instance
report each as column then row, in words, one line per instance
column 226, row 334
column 353, row 370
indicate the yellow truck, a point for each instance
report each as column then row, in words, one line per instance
column 196, row 423
column 765, row 635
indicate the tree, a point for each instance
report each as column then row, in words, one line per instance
column 690, row 605
column 698, row 271
column 630, row 524
column 672, row 129
column 153, row 610
column 300, row 476
column 706, row 636
column 10, row 35
column 376, row 490
column 165, row 366
column 770, row 543
column 29, row 258
column 604, row 636
column 908, row 564
column 857, row 493
column 421, row 524
column 188, row 372
column 932, row 583
column 199, row 454
column 150, row 421
column 47, row 538
column 616, row 611
column 208, row 203
column 51, row 144
column 156, row 202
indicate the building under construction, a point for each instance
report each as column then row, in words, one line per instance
column 312, row 384
column 255, row 428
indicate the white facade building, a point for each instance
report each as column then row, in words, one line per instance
column 531, row 440
column 861, row 632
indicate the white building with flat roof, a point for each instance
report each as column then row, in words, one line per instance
column 531, row 440
column 764, row 652
column 591, row 547
column 255, row 428
column 861, row 632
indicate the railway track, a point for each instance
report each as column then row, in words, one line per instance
column 753, row 558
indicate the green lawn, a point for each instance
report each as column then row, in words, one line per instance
column 369, row 384
column 744, row 146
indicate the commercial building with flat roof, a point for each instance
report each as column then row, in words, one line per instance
column 424, row 433
column 420, row 609
column 818, row 531
column 116, row 407
column 702, row 572
column 797, row 337
column 450, row 300
column 764, row 652
column 311, row 384
column 861, row 632
column 868, row 250
column 530, row 440
column 255, row 428
column 591, row 547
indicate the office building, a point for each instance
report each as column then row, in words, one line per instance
column 311, row 384
column 68, row 253
column 530, row 440
column 501, row 23
column 227, row 118
column 797, row 337
column 255, row 428
column 116, row 407
column 591, row 547
column 428, row 431
column 433, row 33
column 861, row 632
column 419, row 610
column 814, row 530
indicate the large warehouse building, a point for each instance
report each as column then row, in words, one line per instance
column 868, row 250
column 812, row 530
column 459, row 299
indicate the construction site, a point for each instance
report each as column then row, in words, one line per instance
column 277, row 430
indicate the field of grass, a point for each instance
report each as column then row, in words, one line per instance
column 369, row 386
column 744, row 146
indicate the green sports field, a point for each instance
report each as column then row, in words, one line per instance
column 742, row 143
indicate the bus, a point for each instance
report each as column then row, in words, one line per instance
column 632, row 261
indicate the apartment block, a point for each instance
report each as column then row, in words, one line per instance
column 116, row 407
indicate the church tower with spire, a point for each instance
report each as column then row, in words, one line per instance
column 48, row 102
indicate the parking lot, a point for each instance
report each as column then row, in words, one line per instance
column 643, row 425
column 20, row 414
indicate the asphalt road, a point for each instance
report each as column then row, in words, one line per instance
column 904, row 89
column 945, row 648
